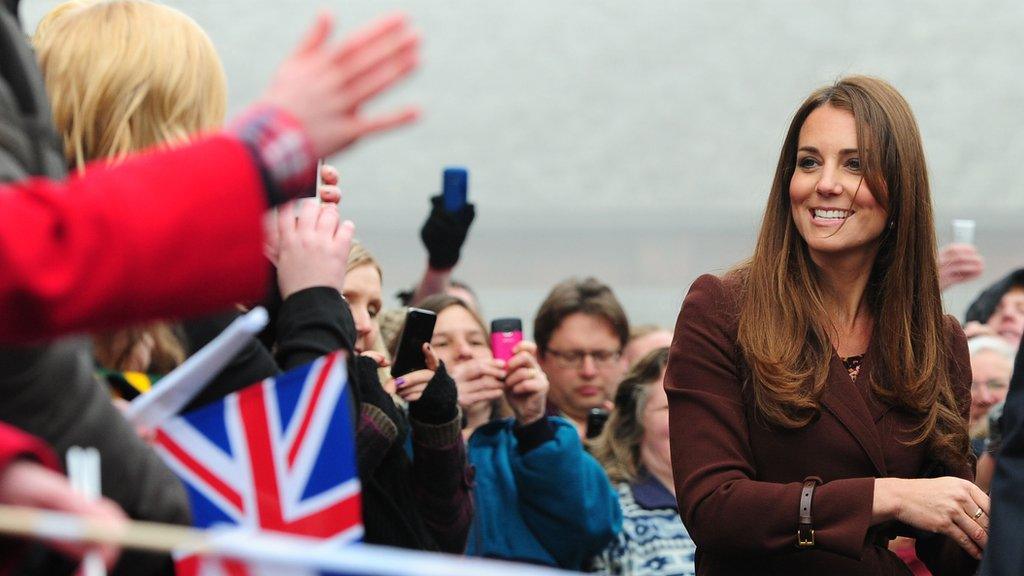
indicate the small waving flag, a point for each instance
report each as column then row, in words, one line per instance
column 276, row 456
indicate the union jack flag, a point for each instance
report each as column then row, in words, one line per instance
column 278, row 455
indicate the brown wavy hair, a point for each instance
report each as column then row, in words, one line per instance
column 783, row 325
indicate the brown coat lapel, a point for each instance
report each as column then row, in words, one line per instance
column 847, row 404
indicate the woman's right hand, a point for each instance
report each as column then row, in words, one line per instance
column 944, row 505
column 478, row 381
column 959, row 263
column 324, row 85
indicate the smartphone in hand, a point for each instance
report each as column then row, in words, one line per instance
column 963, row 231
column 456, row 182
column 417, row 330
column 596, row 420
column 505, row 334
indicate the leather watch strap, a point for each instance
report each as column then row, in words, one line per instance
column 805, row 528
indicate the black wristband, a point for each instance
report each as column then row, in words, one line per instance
column 533, row 434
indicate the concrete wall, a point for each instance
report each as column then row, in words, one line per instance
column 636, row 140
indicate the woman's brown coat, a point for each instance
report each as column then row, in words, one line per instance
column 738, row 480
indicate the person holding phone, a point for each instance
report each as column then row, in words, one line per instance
column 818, row 396
column 443, row 234
column 420, row 502
column 540, row 497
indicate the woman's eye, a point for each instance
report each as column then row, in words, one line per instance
column 478, row 343
column 806, row 162
column 853, row 164
column 439, row 343
column 374, row 312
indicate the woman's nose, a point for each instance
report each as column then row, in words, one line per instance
column 828, row 184
column 362, row 320
column 464, row 350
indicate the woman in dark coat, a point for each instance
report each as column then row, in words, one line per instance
column 818, row 395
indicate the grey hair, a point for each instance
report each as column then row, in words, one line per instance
column 993, row 343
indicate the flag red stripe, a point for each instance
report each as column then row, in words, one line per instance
column 324, row 523
column 307, row 417
column 330, row 521
column 253, row 410
column 199, row 470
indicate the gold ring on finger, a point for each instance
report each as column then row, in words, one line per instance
column 978, row 514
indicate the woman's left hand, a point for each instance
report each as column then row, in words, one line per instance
column 526, row 386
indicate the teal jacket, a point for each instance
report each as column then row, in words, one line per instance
column 540, row 498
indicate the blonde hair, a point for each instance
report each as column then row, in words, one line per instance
column 123, row 76
column 359, row 256
column 126, row 75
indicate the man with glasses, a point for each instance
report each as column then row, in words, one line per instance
column 580, row 332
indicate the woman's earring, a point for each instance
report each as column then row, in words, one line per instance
column 892, row 224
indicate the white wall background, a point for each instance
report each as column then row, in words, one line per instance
column 635, row 141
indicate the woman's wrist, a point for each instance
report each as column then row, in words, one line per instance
column 885, row 504
column 527, row 419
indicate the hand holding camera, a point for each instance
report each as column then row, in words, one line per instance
column 526, row 386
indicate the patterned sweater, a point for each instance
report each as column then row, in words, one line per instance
column 653, row 541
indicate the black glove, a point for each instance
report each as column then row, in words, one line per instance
column 444, row 233
column 367, row 386
column 439, row 403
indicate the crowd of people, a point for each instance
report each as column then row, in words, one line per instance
column 813, row 411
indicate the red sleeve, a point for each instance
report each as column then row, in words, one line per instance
column 712, row 460
column 15, row 444
column 169, row 233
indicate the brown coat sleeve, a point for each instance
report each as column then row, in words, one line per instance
column 724, row 508
column 942, row 555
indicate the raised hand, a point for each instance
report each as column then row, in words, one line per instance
column 323, row 85
column 410, row 387
column 526, row 387
column 312, row 247
column 478, row 381
column 959, row 263
column 329, row 191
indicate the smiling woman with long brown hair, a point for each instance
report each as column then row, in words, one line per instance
column 818, row 395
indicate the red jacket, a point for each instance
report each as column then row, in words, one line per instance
column 92, row 252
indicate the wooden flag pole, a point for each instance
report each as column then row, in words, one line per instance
column 151, row 536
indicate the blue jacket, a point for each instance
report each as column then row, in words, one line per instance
column 540, row 497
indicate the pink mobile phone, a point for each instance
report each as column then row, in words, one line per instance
column 505, row 334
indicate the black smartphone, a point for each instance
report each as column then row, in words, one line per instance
column 595, row 422
column 417, row 330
